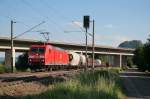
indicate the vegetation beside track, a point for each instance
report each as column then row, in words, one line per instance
column 100, row 84
column 2, row 69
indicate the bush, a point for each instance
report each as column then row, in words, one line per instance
column 22, row 63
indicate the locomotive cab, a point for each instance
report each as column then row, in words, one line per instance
column 37, row 55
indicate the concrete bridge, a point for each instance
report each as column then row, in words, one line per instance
column 119, row 55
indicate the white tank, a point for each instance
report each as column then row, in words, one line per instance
column 74, row 59
column 98, row 63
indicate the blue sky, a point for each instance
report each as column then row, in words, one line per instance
column 115, row 20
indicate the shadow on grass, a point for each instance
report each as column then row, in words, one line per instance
column 7, row 97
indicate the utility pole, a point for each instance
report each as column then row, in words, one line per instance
column 93, row 47
column 12, row 46
column 14, row 37
column 86, row 65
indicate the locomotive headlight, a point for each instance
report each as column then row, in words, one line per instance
column 31, row 56
column 42, row 60
column 30, row 60
column 41, row 56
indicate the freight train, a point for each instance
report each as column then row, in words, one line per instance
column 50, row 57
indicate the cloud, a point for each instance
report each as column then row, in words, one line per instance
column 120, row 38
column 116, row 40
column 111, row 39
column 109, row 26
column 75, row 24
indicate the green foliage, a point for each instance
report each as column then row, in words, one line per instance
column 100, row 84
column 2, row 68
column 147, row 54
column 138, row 58
column 22, row 63
column 131, row 44
column 142, row 57
column 129, row 62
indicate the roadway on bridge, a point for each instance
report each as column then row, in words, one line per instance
column 136, row 84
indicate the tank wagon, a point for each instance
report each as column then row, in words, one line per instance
column 48, row 56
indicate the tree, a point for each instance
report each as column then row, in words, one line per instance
column 139, row 59
column 129, row 62
column 147, row 53
column 131, row 44
column 22, row 63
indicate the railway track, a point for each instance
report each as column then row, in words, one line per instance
column 46, row 78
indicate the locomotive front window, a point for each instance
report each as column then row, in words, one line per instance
column 37, row 50
column 41, row 50
column 34, row 50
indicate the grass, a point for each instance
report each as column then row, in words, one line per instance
column 100, row 84
column 2, row 68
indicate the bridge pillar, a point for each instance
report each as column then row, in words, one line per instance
column 8, row 60
column 118, row 60
column 124, row 60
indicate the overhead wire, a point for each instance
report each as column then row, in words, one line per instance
column 39, row 13
column 81, row 28
column 7, row 17
column 59, row 13
column 29, row 30
column 21, row 22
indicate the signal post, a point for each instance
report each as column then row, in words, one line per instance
column 86, row 24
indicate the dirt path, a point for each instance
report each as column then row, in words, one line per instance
column 136, row 84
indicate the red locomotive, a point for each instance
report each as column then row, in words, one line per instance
column 48, row 56
column 44, row 56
